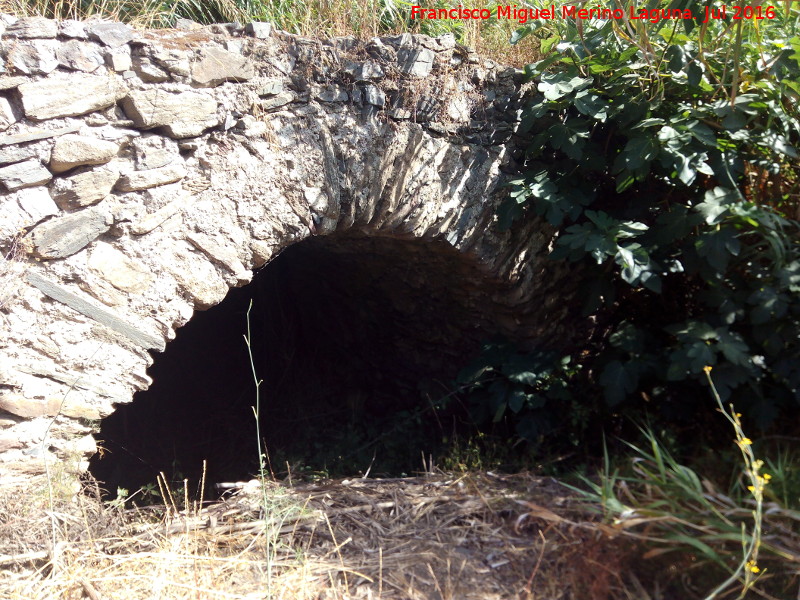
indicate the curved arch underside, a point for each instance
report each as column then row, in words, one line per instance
column 142, row 189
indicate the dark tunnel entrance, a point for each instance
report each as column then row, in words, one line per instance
column 356, row 339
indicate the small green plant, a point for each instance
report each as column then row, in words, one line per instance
column 784, row 488
column 669, row 506
column 751, row 541
column 276, row 504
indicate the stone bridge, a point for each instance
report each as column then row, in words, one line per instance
column 145, row 173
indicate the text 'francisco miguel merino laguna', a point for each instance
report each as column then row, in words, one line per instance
column 524, row 14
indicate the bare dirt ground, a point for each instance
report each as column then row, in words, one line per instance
column 439, row 537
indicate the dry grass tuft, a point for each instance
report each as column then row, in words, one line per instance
column 477, row 536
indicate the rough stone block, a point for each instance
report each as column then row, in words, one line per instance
column 64, row 236
column 333, row 94
column 182, row 115
column 374, row 95
column 260, row 30
column 23, row 209
column 152, row 151
column 366, row 71
column 118, row 60
column 148, row 71
column 7, row 116
column 111, row 34
column 72, row 151
column 197, row 277
column 73, row 29
column 217, row 66
column 123, row 272
column 415, row 61
column 33, row 27
column 37, row 203
column 79, row 56
column 34, row 57
column 84, row 189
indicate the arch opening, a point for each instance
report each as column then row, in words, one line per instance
column 357, row 338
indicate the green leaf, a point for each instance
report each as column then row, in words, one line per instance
column 547, row 45
column 702, row 133
column 517, row 399
column 718, row 246
column 521, row 33
column 698, row 545
column 733, row 347
column 624, row 181
column 591, row 105
column 618, row 380
column 639, row 150
column 716, row 204
column 778, row 143
column 694, row 74
column 627, row 337
column 555, row 86
column 570, row 138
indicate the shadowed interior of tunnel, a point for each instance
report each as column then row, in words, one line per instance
column 357, row 340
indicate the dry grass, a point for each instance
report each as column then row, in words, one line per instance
column 439, row 537
column 312, row 18
column 12, row 268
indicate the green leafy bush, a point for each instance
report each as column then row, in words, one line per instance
column 664, row 155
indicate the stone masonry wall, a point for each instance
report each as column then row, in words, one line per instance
column 144, row 173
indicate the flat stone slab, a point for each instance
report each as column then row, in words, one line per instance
column 24, row 174
column 69, row 95
column 32, row 136
column 142, row 180
column 97, row 313
column 15, row 154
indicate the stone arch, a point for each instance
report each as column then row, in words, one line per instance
column 147, row 173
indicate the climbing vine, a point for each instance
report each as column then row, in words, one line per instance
column 664, row 155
